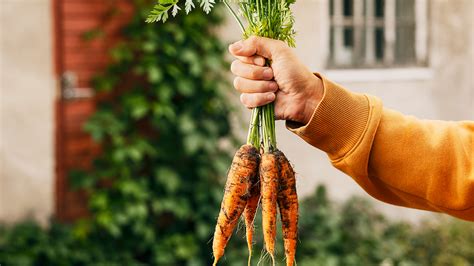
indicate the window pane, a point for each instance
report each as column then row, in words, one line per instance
column 379, row 8
column 331, row 7
column 379, row 43
column 359, row 46
column 405, row 32
column 348, row 37
column 348, row 7
column 405, row 45
column 331, row 45
column 405, row 11
column 341, row 54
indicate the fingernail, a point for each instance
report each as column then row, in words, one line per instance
column 273, row 86
column 268, row 73
column 270, row 97
column 236, row 46
column 258, row 61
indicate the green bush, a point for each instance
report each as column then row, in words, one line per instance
column 162, row 120
column 352, row 233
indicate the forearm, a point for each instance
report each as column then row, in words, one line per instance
column 395, row 158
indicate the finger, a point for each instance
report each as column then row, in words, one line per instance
column 249, row 71
column 255, row 60
column 251, row 100
column 256, row 45
column 254, row 86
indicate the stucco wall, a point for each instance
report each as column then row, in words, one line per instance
column 442, row 90
column 26, row 116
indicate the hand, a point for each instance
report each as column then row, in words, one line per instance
column 295, row 90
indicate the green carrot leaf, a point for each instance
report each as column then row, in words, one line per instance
column 160, row 10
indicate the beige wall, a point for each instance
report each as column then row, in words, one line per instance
column 26, row 110
column 442, row 90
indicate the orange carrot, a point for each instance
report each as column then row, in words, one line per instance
column 288, row 205
column 244, row 166
column 268, row 186
column 250, row 211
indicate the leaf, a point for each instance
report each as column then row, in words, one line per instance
column 188, row 6
column 160, row 10
column 186, row 87
column 192, row 143
column 155, row 74
column 207, row 5
column 168, row 178
column 80, row 180
column 138, row 106
column 175, row 10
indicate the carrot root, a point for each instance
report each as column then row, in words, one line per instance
column 268, row 183
column 288, row 206
column 250, row 211
column 244, row 166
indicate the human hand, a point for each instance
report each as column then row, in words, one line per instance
column 295, row 90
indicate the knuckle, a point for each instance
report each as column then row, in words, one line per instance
column 271, row 86
column 261, row 73
column 244, row 100
column 261, row 86
column 252, row 40
column 281, row 43
column 233, row 66
column 254, row 74
column 237, row 83
column 280, row 46
column 259, row 101
column 247, row 60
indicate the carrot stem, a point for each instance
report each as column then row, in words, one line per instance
column 235, row 16
column 268, row 127
column 253, row 137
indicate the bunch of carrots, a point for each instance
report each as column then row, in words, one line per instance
column 260, row 174
column 254, row 178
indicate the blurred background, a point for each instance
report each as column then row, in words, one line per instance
column 116, row 135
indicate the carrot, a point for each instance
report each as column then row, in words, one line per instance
column 244, row 166
column 268, row 183
column 288, row 204
column 250, row 211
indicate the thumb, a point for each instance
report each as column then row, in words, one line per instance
column 265, row 47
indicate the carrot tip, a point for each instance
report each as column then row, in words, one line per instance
column 273, row 259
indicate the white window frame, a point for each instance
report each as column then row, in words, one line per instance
column 410, row 73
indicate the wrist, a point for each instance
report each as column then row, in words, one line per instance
column 311, row 98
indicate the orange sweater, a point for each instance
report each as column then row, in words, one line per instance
column 398, row 159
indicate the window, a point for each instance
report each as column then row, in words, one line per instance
column 377, row 33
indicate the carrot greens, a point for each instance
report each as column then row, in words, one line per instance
column 254, row 177
column 265, row 18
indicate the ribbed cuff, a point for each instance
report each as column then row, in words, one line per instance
column 339, row 121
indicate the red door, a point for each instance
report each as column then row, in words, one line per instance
column 77, row 61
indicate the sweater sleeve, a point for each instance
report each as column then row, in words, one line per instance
column 399, row 159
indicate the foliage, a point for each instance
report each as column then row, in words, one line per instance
column 162, row 7
column 330, row 234
column 155, row 189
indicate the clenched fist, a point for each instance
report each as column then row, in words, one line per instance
column 295, row 90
